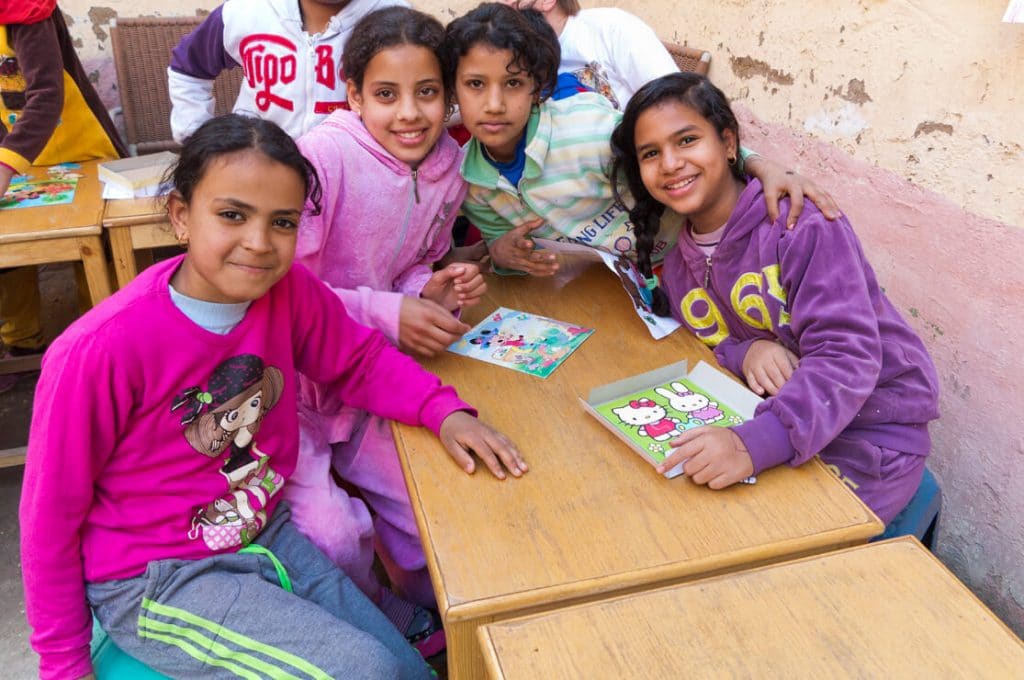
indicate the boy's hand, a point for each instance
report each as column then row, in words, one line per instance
column 425, row 328
column 715, row 456
column 475, row 254
column 514, row 250
column 461, row 434
column 457, row 285
column 767, row 366
column 778, row 182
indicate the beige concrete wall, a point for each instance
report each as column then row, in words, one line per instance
column 910, row 112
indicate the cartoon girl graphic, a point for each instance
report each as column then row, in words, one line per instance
column 224, row 419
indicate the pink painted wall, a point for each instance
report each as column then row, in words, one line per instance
column 958, row 280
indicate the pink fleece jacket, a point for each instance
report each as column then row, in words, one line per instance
column 381, row 227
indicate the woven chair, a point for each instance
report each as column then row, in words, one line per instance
column 142, row 51
column 689, row 58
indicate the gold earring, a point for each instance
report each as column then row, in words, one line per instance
column 182, row 240
column 732, row 160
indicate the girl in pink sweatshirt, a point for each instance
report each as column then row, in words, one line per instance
column 392, row 190
column 165, row 429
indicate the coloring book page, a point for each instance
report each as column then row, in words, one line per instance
column 58, row 189
column 629, row 276
column 650, row 418
column 521, row 341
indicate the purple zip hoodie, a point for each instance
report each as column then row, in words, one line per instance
column 382, row 225
column 863, row 374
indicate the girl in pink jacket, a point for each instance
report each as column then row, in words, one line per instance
column 392, row 189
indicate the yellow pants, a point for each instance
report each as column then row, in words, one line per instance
column 19, row 308
column 20, row 305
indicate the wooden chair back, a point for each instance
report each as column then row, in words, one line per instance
column 142, row 51
column 689, row 58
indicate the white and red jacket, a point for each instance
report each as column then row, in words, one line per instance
column 292, row 78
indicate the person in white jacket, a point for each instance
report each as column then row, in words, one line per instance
column 609, row 50
column 289, row 51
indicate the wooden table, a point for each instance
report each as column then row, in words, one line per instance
column 57, row 233
column 132, row 225
column 60, row 233
column 885, row 610
column 591, row 519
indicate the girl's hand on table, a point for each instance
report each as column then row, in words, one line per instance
column 715, row 456
column 514, row 250
column 425, row 328
column 462, row 433
column 458, row 285
column 767, row 366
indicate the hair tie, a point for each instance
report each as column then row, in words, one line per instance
column 651, row 282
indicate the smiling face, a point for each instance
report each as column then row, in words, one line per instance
column 684, row 163
column 402, row 102
column 495, row 99
column 240, row 226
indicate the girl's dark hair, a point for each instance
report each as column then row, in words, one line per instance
column 504, row 28
column 702, row 96
column 233, row 132
column 391, row 27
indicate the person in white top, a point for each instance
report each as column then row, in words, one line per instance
column 608, row 49
column 615, row 53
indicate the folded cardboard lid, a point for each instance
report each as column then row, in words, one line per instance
column 717, row 384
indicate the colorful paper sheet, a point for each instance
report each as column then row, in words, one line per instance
column 522, row 341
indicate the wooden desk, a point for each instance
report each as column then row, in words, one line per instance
column 60, row 233
column 591, row 518
column 136, row 224
column 57, row 233
column 885, row 610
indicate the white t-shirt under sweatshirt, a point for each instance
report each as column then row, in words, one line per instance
column 613, row 52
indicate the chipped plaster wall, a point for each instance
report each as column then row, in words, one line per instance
column 89, row 23
column 910, row 113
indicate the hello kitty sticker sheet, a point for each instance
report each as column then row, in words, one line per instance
column 522, row 341
column 648, row 411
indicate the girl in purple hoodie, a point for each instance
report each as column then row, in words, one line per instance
column 798, row 313
column 391, row 191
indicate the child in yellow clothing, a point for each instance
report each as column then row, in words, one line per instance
column 49, row 113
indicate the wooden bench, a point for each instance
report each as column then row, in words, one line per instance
column 885, row 610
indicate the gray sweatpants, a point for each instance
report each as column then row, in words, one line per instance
column 228, row 615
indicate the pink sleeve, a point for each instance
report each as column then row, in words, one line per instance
column 377, row 309
column 374, row 308
column 359, row 362
column 72, row 434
